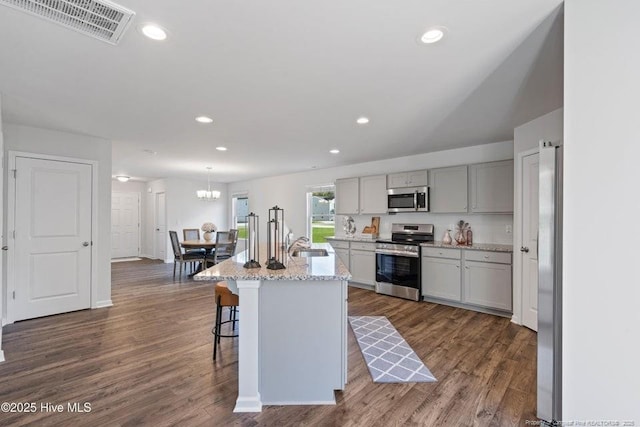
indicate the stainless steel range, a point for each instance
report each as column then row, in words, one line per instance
column 398, row 260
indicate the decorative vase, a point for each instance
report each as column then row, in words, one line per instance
column 460, row 237
column 208, row 236
column 446, row 239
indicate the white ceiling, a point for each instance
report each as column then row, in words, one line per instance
column 285, row 81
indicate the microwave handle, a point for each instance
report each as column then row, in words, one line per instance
column 415, row 199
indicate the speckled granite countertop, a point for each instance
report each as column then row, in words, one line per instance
column 476, row 246
column 494, row 247
column 354, row 239
column 298, row 268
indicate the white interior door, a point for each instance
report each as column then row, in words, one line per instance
column 52, row 238
column 161, row 227
column 125, row 224
column 529, row 251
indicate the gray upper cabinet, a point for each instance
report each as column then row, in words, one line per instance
column 347, row 196
column 491, row 187
column 448, row 190
column 373, row 194
column 408, row 179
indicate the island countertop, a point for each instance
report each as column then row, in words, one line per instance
column 297, row 268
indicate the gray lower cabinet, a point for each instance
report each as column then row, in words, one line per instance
column 478, row 280
column 341, row 249
column 487, row 284
column 363, row 266
column 343, row 254
column 360, row 258
column 441, row 278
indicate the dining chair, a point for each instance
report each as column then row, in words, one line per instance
column 192, row 234
column 182, row 257
column 225, row 246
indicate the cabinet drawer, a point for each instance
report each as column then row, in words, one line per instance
column 363, row 246
column 487, row 256
column 339, row 244
column 441, row 253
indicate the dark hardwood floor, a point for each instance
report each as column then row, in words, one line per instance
column 147, row 361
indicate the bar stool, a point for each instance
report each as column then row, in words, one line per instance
column 224, row 298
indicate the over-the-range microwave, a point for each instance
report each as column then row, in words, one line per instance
column 410, row 199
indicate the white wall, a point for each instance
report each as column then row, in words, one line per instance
column 4, row 256
column 548, row 127
column 184, row 209
column 526, row 138
column 55, row 143
column 601, row 290
column 289, row 192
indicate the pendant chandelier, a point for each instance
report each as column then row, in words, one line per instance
column 208, row 194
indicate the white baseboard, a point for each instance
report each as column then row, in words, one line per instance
column 516, row 320
column 293, row 402
column 146, row 256
column 1, row 356
column 248, row 404
column 103, row 304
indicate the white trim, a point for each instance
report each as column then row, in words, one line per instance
column 517, row 235
column 306, row 402
column 249, row 399
column 146, row 256
column 2, row 359
column 11, row 221
column 103, row 304
column 248, row 404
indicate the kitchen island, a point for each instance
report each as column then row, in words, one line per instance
column 293, row 322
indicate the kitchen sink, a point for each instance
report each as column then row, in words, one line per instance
column 308, row 252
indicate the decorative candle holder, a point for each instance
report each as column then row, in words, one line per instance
column 253, row 243
column 275, row 239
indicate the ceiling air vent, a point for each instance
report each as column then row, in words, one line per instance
column 99, row 19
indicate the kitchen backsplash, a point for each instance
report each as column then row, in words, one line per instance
column 495, row 228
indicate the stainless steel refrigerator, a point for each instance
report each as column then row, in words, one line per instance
column 550, row 283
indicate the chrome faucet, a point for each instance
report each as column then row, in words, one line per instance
column 299, row 242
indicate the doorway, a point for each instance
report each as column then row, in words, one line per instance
column 321, row 213
column 161, row 227
column 528, row 230
column 51, row 223
column 125, row 224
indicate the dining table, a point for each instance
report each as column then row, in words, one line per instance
column 207, row 245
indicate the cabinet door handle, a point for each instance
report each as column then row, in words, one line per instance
column 486, row 257
column 457, row 266
column 466, row 268
column 524, row 249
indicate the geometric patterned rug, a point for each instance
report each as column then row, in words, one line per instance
column 388, row 356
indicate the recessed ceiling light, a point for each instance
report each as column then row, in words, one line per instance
column 362, row 120
column 204, row 119
column 153, row 31
column 221, row 148
column 151, row 152
column 122, row 178
column 432, row 35
column 334, row 151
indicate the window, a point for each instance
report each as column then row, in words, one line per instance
column 239, row 211
column 321, row 212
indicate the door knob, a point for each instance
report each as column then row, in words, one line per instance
column 5, row 248
column 524, row 249
column 85, row 243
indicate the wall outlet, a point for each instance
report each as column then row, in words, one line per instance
column 508, row 229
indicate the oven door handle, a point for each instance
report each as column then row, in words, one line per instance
column 396, row 253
